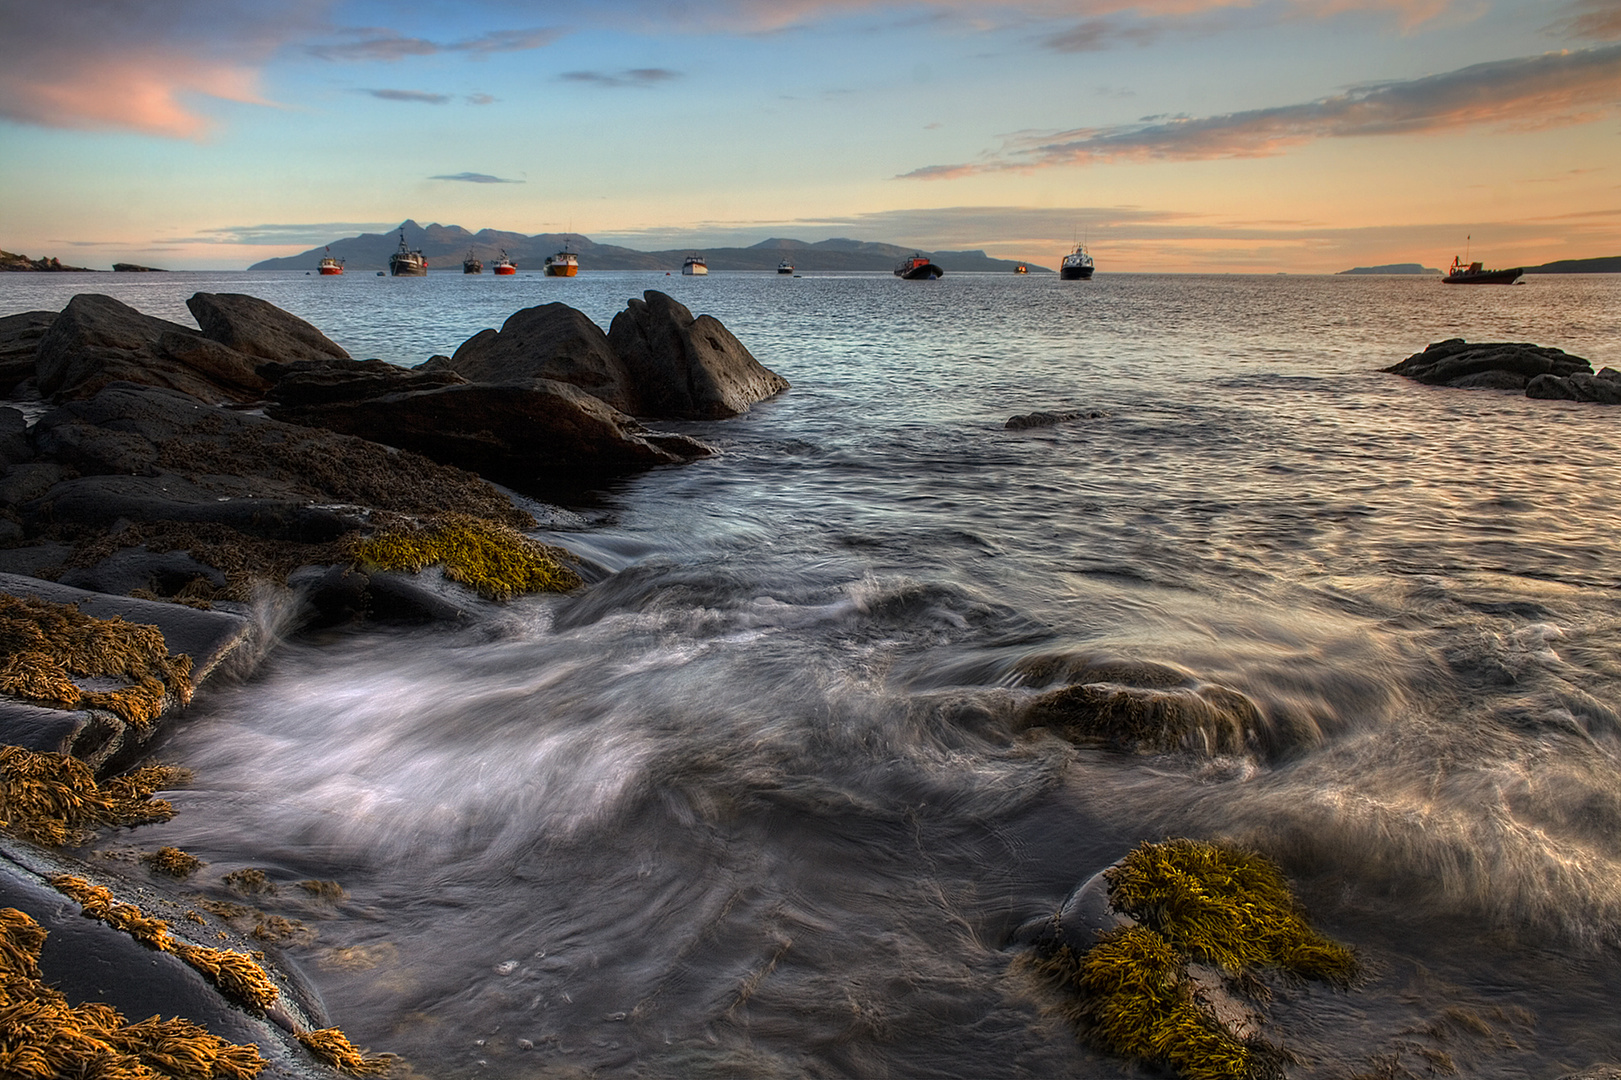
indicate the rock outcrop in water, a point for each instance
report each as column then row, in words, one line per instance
column 1540, row 371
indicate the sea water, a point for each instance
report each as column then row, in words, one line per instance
column 750, row 804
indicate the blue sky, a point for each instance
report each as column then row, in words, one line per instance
column 1248, row 135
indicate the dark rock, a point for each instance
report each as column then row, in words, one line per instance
column 1551, row 388
column 19, row 346
column 163, row 573
column 24, row 483
column 35, row 560
column 14, row 447
column 1047, row 419
column 683, row 367
column 98, row 340
column 552, row 341
column 1457, row 363
column 258, row 464
column 1605, row 391
column 544, row 437
column 137, row 268
column 258, row 328
column 321, row 382
column 1206, row 719
column 335, row 594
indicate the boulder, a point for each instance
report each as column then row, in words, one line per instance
column 19, row 345
column 552, row 341
column 1603, row 388
column 1487, row 365
column 97, row 340
column 255, row 327
column 240, row 464
column 686, row 368
column 14, row 446
column 321, row 382
column 543, row 437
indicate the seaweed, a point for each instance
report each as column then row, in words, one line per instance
column 43, row 1037
column 334, row 1048
column 495, row 560
column 173, row 862
column 54, row 799
column 47, row 644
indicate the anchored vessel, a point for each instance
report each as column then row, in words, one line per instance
column 329, row 265
column 1077, row 265
column 1021, row 269
column 1462, row 273
column 785, row 267
column 406, row 262
column 564, row 264
column 695, row 265
column 504, row 265
column 471, row 265
column 918, row 268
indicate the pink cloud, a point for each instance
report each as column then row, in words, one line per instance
column 1530, row 93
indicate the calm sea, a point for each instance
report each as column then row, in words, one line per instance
column 749, row 806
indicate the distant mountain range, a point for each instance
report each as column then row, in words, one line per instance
column 1609, row 264
column 447, row 245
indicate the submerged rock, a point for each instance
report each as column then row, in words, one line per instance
column 1027, row 421
column 684, row 367
column 1540, row 371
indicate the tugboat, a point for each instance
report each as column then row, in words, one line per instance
column 471, row 264
column 1462, row 273
column 504, row 265
column 918, row 268
column 564, row 264
column 329, row 265
column 785, row 267
column 1077, row 266
column 695, row 266
column 406, row 262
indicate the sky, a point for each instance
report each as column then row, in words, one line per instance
column 1252, row 136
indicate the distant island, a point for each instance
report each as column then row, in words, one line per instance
column 1609, row 264
column 1392, row 268
column 445, row 246
column 10, row 261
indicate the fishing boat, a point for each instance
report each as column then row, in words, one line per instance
column 1077, row 265
column 917, row 267
column 504, row 265
column 1021, row 269
column 1462, row 273
column 329, row 265
column 695, row 266
column 785, row 267
column 471, row 264
column 563, row 264
column 407, row 262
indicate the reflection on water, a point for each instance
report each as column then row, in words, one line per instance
column 754, row 804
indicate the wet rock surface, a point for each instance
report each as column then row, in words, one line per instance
column 20, row 335
column 258, row 328
column 1539, row 371
column 684, row 367
column 552, row 341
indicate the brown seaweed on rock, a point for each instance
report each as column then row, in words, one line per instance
column 54, row 799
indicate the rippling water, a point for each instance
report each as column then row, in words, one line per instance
column 751, row 804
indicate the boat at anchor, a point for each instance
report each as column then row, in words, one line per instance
column 917, row 267
column 1461, row 273
column 563, row 264
column 695, row 266
column 1077, row 265
column 472, row 264
column 504, row 265
column 329, row 266
column 407, row 262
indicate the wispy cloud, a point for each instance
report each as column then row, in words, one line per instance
column 374, row 43
column 419, row 96
column 475, row 178
column 631, row 77
column 1530, row 93
column 280, row 235
column 1592, row 20
column 138, row 65
column 481, row 99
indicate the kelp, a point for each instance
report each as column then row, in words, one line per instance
column 55, row 799
column 173, row 862
column 43, row 1037
column 46, row 645
column 1191, row 902
column 334, row 1048
column 495, row 560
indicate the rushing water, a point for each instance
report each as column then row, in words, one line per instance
column 749, row 805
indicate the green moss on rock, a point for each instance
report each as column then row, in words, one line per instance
column 495, row 560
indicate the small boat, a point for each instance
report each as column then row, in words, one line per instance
column 504, row 265
column 1077, row 265
column 918, row 268
column 785, row 267
column 407, row 263
column 563, row 264
column 1021, row 269
column 695, row 266
column 329, row 265
column 1462, row 273
column 471, row 264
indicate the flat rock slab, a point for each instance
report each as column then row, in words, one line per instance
column 96, row 736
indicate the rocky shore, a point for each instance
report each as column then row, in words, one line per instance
column 1539, row 371
column 14, row 262
column 166, row 494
